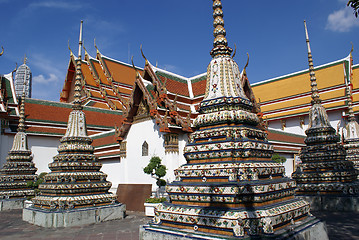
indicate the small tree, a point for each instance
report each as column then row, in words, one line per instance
column 156, row 170
column 278, row 159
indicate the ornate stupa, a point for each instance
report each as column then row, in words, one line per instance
column 324, row 176
column 351, row 138
column 75, row 186
column 229, row 187
column 18, row 169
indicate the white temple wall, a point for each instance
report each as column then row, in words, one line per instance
column 289, row 164
column 6, row 142
column 43, row 148
column 129, row 170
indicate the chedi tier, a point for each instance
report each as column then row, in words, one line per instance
column 229, row 187
column 351, row 140
column 75, row 192
column 325, row 177
column 18, row 169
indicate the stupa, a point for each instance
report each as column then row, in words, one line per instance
column 230, row 188
column 324, row 177
column 18, row 169
column 351, row 138
column 75, row 192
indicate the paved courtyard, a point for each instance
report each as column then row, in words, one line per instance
column 340, row 226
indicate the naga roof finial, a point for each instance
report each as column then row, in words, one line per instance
column 133, row 65
column 220, row 44
column 143, row 55
column 2, row 52
column 77, row 90
column 314, row 87
column 68, row 45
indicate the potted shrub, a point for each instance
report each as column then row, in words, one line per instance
column 157, row 171
column 151, row 204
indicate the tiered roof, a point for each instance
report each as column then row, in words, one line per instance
column 279, row 100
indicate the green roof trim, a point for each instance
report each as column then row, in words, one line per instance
column 103, row 135
column 65, row 123
column 69, row 105
column 181, row 80
column 195, row 80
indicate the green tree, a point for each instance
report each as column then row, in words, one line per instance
column 278, row 159
column 156, row 170
column 355, row 5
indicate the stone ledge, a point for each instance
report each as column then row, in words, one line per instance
column 333, row 203
column 75, row 217
column 10, row 204
column 309, row 229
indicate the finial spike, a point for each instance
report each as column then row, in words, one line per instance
column 80, row 40
column 143, row 55
column 220, row 44
column 78, row 86
column 21, row 126
column 314, row 88
column 25, row 59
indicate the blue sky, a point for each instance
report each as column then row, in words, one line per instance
column 176, row 34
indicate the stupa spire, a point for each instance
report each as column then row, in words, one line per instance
column 21, row 126
column 313, row 79
column 220, row 44
column 77, row 89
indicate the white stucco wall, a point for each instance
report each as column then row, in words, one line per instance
column 43, row 148
column 129, row 170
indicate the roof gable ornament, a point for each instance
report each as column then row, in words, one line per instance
column 2, row 52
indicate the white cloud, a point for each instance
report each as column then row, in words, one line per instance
column 342, row 20
column 41, row 79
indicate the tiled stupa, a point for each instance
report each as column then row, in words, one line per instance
column 230, row 187
column 351, row 139
column 326, row 179
column 75, row 191
column 18, row 169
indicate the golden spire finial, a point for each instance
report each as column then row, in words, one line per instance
column 77, row 89
column 314, row 88
column 220, row 44
column 2, row 52
column 25, row 59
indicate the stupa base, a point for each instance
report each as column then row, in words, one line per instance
column 10, row 204
column 333, row 203
column 74, row 217
column 311, row 228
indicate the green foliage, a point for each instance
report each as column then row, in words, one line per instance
column 156, row 200
column 35, row 184
column 355, row 5
column 278, row 159
column 156, row 170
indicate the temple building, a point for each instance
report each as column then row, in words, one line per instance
column 18, row 170
column 75, row 192
column 325, row 178
column 23, row 79
column 229, row 186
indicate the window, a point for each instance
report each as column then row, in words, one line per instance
column 145, row 149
